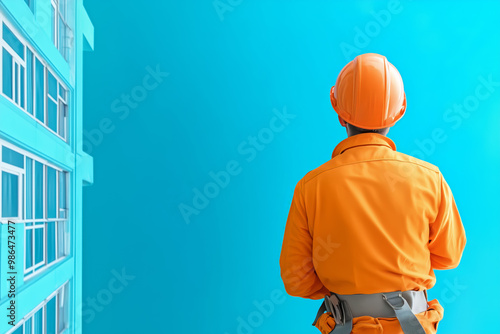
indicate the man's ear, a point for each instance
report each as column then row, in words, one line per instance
column 342, row 122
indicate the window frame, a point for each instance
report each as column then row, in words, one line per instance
column 5, row 167
column 57, row 100
column 16, row 59
column 63, row 49
column 23, row 62
column 58, row 294
column 36, row 269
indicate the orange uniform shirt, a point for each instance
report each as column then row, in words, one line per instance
column 369, row 220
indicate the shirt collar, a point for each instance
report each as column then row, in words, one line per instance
column 363, row 139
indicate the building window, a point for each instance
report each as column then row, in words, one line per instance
column 11, row 39
column 39, row 89
column 46, row 233
column 61, row 32
column 11, row 184
column 13, row 69
column 29, row 83
column 49, row 317
column 57, row 107
column 10, row 195
column 35, row 193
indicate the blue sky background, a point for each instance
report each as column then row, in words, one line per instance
column 226, row 75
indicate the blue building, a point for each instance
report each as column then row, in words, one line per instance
column 42, row 164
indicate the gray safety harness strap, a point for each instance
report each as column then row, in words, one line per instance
column 342, row 314
column 407, row 319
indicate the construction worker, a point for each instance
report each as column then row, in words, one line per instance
column 367, row 228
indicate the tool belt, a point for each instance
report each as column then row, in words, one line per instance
column 401, row 305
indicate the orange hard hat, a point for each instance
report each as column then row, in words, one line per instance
column 369, row 93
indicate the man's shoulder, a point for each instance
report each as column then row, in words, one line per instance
column 411, row 159
column 328, row 165
column 396, row 157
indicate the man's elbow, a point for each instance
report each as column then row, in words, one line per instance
column 445, row 263
column 297, row 292
column 444, row 266
column 293, row 290
column 450, row 258
column 292, row 284
column 304, row 288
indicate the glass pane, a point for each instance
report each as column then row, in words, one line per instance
column 52, row 83
column 51, row 316
column 40, row 91
column 10, row 195
column 22, row 216
column 39, row 321
column 62, row 92
column 51, row 192
column 29, row 80
column 29, row 248
column 63, row 308
column 52, row 115
column 13, row 42
column 19, row 330
column 62, row 195
column 62, row 118
column 12, row 157
column 29, row 188
column 21, row 94
column 16, row 84
column 28, row 326
column 51, row 241
column 38, row 190
column 7, row 73
column 61, row 239
column 39, row 245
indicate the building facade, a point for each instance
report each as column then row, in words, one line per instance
column 43, row 167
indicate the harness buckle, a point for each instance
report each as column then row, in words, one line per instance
column 395, row 300
column 337, row 307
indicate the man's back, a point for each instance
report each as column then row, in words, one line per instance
column 377, row 220
column 371, row 222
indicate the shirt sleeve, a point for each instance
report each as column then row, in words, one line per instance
column 446, row 234
column 296, row 261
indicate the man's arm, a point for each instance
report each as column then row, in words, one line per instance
column 446, row 234
column 296, row 261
